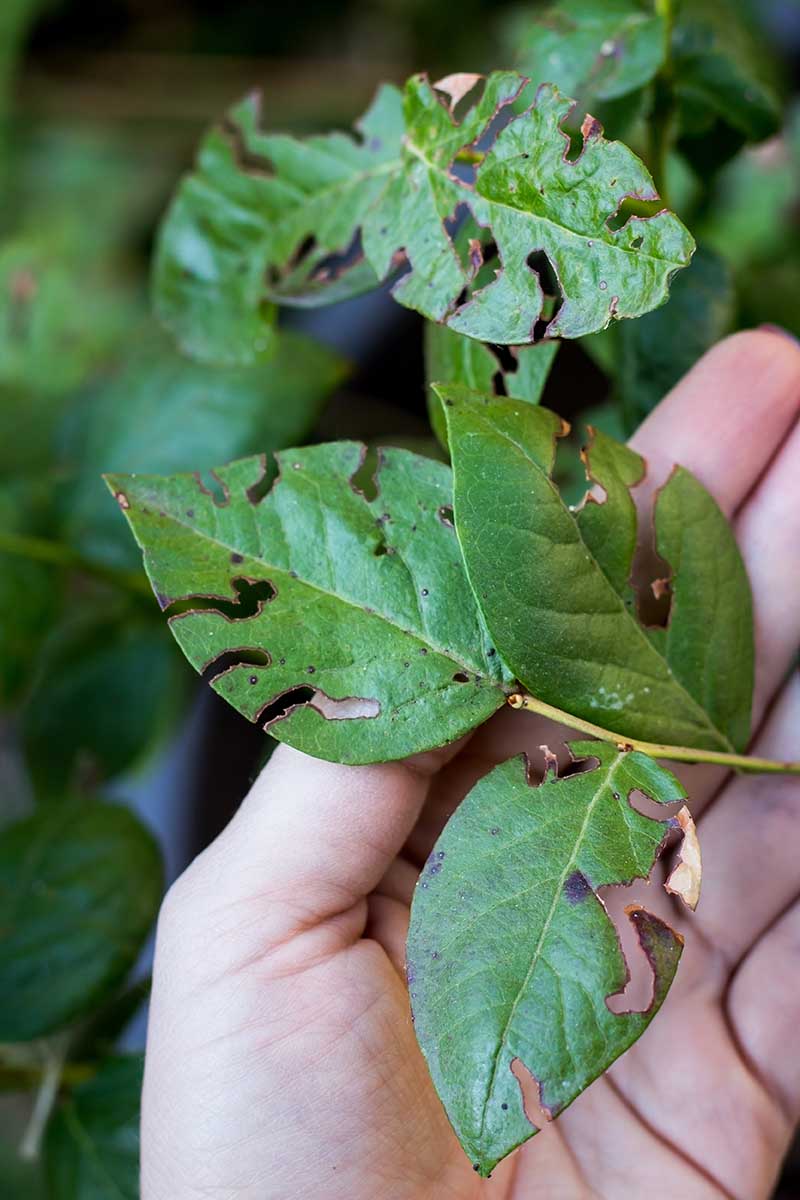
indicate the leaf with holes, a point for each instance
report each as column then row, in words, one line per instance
column 554, row 585
column 344, row 624
column 511, row 954
column 452, row 358
column 299, row 215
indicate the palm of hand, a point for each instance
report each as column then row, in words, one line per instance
column 281, row 1057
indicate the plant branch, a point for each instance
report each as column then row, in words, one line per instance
column 42, row 1108
column 58, row 554
column 736, row 762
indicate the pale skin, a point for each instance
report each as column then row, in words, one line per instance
column 281, row 1061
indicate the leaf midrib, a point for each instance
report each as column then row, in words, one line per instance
column 691, row 703
column 536, row 956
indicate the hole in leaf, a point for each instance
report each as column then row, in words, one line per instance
column 351, row 708
column 446, row 515
column 258, row 490
column 631, row 207
column 211, row 484
column 280, row 706
column 364, row 479
column 550, row 284
column 531, row 1093
column 240, row 656
column 251, row 596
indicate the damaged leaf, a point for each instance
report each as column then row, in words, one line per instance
column 452, row 358
column 511, row 953
column 299, row 215
column 343, row 623
column 554, row 585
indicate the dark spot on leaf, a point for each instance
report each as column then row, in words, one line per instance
column 423, row 591
column 636, row 242
column 440, row 854
column 423, row 650
column 446, row 515
column 254, row 679
column 494, row 831
column 576, row 888
column 504, row 1107
column 190, row 513
column 460, row 677
column 236, row 558
column 310, row 670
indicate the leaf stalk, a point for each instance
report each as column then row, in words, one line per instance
column 736, row 762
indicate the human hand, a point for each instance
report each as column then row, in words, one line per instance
column 281, row 1060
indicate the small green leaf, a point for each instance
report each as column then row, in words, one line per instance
column 316, row 594
column 256, row 200
column 652, row 354
column 104, row 690
column 553, row 584
column 163, row 413
column 592, row 49
column 80, row 885
column 91, row 1149
column 452, row 358
column 511, row 953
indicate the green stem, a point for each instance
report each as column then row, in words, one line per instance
column 736, row 762
column 42, row 1107
column 60, row 555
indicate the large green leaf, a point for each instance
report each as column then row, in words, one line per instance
column 104, row 690
column 511, row 952
column 80, row 885
column 553, row 584
column 164, row 413
column 592, row 49
column 452, row 358
column 316, row 593
column 91, row 1149
column 246, row 215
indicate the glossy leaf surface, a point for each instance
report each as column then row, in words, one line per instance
column 511, row 953
column 80, row 885
column 315, row 595
column 262, row 206
column 554, row 587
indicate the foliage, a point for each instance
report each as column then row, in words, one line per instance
column 365, row 605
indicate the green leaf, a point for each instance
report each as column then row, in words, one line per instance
column 595, row 51
column 553, row 584
column 105, row 688
column 256, row 199
column 164, row 413
column 316, row 594
column 80, row 885
column 452, row 358
column 653, row 354
column 511, row 953
column 91, row 1148
column 227, row 224
column 22, row 1179
column 724, row 83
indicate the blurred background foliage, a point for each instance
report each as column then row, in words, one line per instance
column 105, row 739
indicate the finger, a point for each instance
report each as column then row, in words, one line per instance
column 749, row 841
column 768, row 531
column 727, row 416
column 310, row 841
column 764, row 1010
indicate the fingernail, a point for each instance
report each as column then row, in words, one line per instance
column 768, row 327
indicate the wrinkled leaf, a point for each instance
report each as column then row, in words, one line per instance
column 263, row 206
column 554, row 586
column 91, row 1149
column 105, row 689
column 653, row 354
column 511, row 953
column 592, row 50
column 452, row 358
column 316, row 594
column 164, row 413
column 80, row 885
